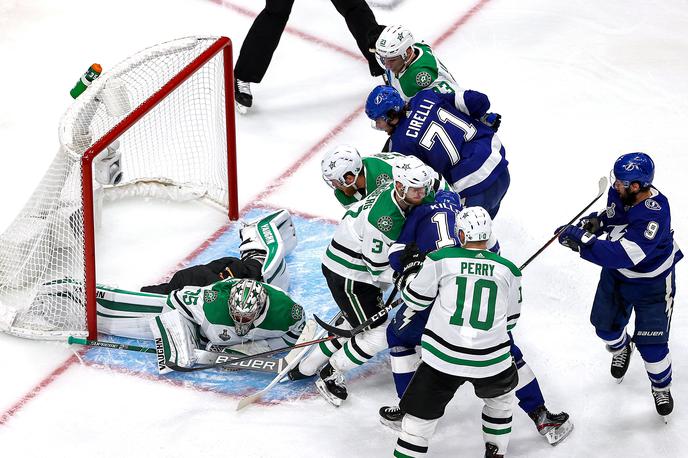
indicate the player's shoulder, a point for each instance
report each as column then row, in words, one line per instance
column 655, row 207
column 385, row 214
column 474, row 255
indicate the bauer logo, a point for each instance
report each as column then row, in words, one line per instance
column 652, row 204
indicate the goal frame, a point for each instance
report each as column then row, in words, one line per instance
column 223, row 45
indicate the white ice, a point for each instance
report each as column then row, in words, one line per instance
column 577, row 83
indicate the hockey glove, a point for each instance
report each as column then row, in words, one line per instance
column 591, row 223
column 411, row 261
column 492, row 120
column 574, row 237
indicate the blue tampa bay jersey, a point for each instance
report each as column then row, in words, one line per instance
column 640, row 243
column 452, row 141
column 430, row 226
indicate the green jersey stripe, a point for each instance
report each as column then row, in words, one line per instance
column 463, row 362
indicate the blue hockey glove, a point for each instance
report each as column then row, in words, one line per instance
column 492, row 120
column 591, row 223
column 574, row 237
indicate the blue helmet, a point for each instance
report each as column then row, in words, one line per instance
column 449, row 197
column 381, row 101
column 634, row 167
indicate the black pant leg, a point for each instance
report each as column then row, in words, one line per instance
column 358, row 301
column 363, row 26
column 191, row 276
column 262, row 40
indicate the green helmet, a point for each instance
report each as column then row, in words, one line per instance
column 246, row 304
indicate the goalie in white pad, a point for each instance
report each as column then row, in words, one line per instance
column 244, row 316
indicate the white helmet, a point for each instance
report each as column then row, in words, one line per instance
column 475, row 223
column 411, row 172
column 246, row 303
column 340, row 161
column 393, row 42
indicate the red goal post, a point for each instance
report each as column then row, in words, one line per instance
column 161, row 123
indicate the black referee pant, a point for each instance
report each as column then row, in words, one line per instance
column 265, row 33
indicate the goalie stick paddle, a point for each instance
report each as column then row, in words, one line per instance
column 222, row 360
column 602, row 188
column 349, row 333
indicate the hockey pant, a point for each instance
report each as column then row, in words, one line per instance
column 358, row 301
column 403, row 336
column 491, row 198
column 652, row 303
column 176, row 338
column 429, row 393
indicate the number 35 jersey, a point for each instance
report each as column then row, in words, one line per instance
column 444, row 131
column 477, row 300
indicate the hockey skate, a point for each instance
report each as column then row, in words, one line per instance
column 243, row 99
column 331, row 385
column 620, row 361
column 664, row 402
column 491, row 451
column 554, row 427
column 296, row 374
column 391, row 417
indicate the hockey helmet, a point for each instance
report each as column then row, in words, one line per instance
column 634, row 167
column 336, row 164
column 383, row 100
column 411, row 172
column 246, row 303
column 475, row 223
column 393, row 42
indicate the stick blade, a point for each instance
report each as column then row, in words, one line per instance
column 602, row 184
column 332, row 329
column 248, row 400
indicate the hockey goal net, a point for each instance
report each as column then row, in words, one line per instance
column 159, row 123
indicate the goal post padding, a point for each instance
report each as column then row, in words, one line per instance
column 160, row 123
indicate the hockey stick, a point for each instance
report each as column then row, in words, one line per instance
column 602, row 188
column 293, row 358
column 349, row 333
column 223, row 360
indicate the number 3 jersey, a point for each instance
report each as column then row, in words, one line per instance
column 640, row 243
column 457, row 145
column 209, row 308
column 477, row 300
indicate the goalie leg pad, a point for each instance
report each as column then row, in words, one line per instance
column 275, row 235
column 175, row 340
column 127, row 313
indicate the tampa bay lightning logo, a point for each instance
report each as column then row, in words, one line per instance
column 611, row 210
column 652, row 204
column 631, row 166
column 378, row 99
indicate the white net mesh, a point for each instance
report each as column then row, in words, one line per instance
column 177, row 150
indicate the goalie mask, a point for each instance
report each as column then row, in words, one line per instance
column 475, row 223
column 246, row 304
column 338, row 163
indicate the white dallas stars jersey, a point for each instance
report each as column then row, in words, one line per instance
column 360, row 245
column 477, row 299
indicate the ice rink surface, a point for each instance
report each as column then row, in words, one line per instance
column 578, row 83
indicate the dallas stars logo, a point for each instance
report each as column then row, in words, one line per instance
column 406, row 167
column 333, row 164
column 423, row 79
column 400, row 36
column 385, row 223
column 382, row 178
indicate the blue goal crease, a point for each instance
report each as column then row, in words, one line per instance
column 308, row 288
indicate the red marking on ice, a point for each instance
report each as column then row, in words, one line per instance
column 9, row 413
column 258, row 201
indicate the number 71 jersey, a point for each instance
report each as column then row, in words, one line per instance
column 477, row 300
column 452, row 141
